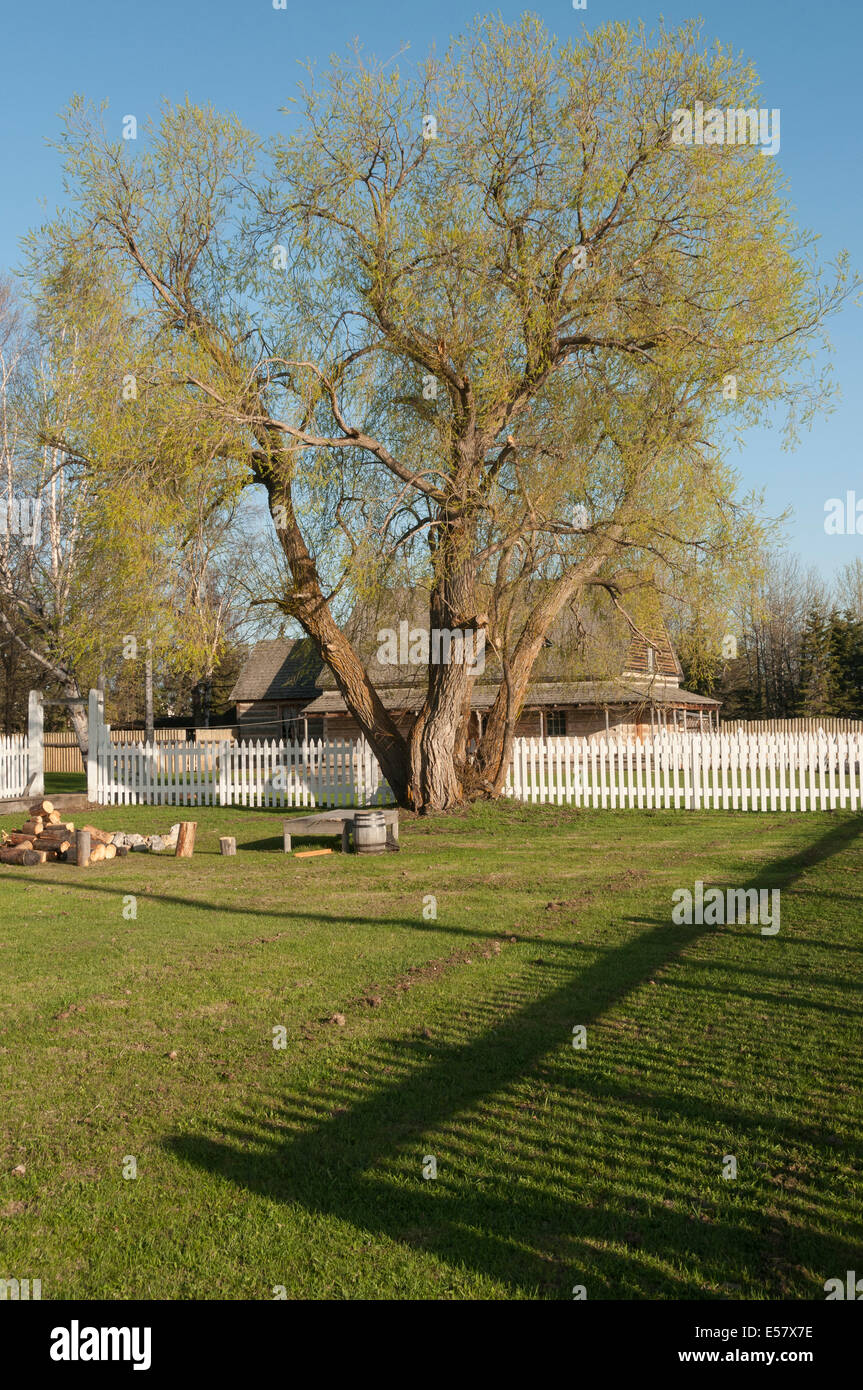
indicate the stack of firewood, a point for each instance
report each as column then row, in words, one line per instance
column 45, row 837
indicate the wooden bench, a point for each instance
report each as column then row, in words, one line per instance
column 337, row 823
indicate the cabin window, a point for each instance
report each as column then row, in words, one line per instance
column 293, row 726
column 555, row 723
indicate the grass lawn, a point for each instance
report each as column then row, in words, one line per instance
column 302, row 1166
column 57, row 782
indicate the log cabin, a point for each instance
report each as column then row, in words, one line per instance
column 284, row 691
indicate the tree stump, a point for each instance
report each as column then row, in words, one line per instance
column 228, row 844
column 82, row 848
column 186, row 839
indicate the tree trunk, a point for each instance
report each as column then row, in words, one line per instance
column 148, row 694
column 79, row 716
column 427, row 771
column 437, row 752
column 306, row 602
column 495, row 749
column 438, row 746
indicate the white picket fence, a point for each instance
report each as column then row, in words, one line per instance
column 14, row 765
column 811, row 771
column 278, row 774
column 690, row 771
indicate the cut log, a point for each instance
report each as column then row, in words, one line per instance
column 82, row 848
column 34, row 827
column 110, row 851
column 41, row 808
column 122, row 851
column 53, row 818
column 17, row 837
column 100, row 836
column 21, row 855
column 14, row 855
column 97, row 854
column 186, row 839
column 310, row 853
column 53, row 843
column 228, row 844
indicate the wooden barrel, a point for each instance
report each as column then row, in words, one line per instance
column 370, row 832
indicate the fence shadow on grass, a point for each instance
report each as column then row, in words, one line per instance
column 616, row 1187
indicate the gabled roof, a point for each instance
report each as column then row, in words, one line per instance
column 290, row 669
column 653, row 659
column 282, row 668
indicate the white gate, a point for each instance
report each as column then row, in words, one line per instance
column 22, row 758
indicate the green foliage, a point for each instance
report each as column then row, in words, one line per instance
column 832, row 665
column 432, row 351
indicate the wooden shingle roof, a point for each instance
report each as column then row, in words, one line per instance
column 290, row 669
column 589, row 694
column 282, row 668
column 655, row 659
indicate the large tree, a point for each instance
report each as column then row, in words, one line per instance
column 483, row 326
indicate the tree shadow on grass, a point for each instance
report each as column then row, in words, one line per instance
column 618, row 1188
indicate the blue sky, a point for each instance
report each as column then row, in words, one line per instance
column 242, row 56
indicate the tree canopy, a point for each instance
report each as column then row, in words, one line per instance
column 479, row 326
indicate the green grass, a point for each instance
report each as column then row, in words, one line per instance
column 302, row 1167
column 58, row 782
